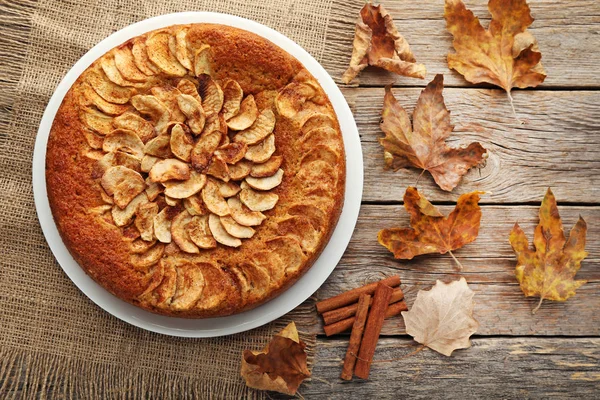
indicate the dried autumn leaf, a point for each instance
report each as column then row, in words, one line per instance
column 442, row 318
column 548, row 272
column 506, row 54
column 424, row 146
column 431, row 232
column 377, row 42
column 280, row 367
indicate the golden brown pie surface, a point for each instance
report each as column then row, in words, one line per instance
column 196, row 170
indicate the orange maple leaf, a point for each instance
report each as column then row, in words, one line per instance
column 506, row 54
column 378, row 43
column 280, row 367
column 424, row 145
column 431, row 232
column 548, row 272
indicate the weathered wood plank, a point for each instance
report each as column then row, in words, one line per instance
column 492, row 368
column 489, row 263
column 565, row 30
column 558, row 145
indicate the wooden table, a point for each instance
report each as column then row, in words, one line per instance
column 555, row 353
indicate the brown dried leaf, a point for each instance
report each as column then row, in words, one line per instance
column 280, row 367
column 442, row 318
column 377, row 42
column 424, row 146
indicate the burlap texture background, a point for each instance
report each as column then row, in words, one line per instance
column 54, row 342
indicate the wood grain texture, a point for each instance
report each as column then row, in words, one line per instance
column 567, row 33
column 558, row 146
column 489, row 263
column 493, row 368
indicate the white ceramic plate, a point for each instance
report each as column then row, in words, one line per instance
column 265, row 313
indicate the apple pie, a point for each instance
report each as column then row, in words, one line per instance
column 196, row 170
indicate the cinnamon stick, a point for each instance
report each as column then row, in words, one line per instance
column 345, row 324
column 381, row 299
column 352, row 296
column 339, row 314
column 358, row 327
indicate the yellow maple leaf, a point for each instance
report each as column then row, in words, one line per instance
column 548, row 272
column 506, row 55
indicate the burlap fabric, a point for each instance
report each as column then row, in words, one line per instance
column 54, row 342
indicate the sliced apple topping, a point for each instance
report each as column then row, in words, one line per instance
column 144, row 220
column 204, row 148
column 269, row 168
column 260, row 129
column 162, row 223
column 144, row 261
column 211, row 94
column 124, row 140
column 126, row 65
column 99, row 210
column 231, row 153
column 133, row 122
column 266, row 183
column 107, row 89
column 153, row 189
column 202, row 61
column 190, row 286
column 181, row 142
column 261, row 152
column 257, row 201
column 219, row 169
column 316, row 175
column 182, row 53
column 255, row 280
column 157, row 111
column 171, row 168
column 159, row 52
column 235, row 229
column 291, row 98
column 199, row 232
column 187, row 188
column 317, row 120
column 248, row 112
column 240, row 170
column 302, row 230
column 159, row 147
column 188, row 87
column 318, row 136
column 124, row 216
column 192, row 109
column 243, row 215
column 140, row 57
column 171, row 201
column 228, row 189
column 155, row 277
column 168, row 95
column 93, row 140
column 89, row 97
column 195, row 206
column 123, row 184
column 180, row 235
column 321, row 152
column 148, row 162
column 96, row 120
column 107, row 63
column 166, row 290
column 213, row 199
column 220, row 234
column 232, row 95
column 314, row 214
column 288, row 251
column 112, row 159
column 139, row 246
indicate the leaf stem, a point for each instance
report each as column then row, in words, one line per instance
column 460, row 266
column 418, row 350
column 419, row 178
column 538, row 306
column 512, row 105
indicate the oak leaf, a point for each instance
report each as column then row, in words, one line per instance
column 423, row 146
column 280, row 367
column 506, row 55
column 377, row 42
column 431, row 232
column 549, row 270
column 442, row 318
